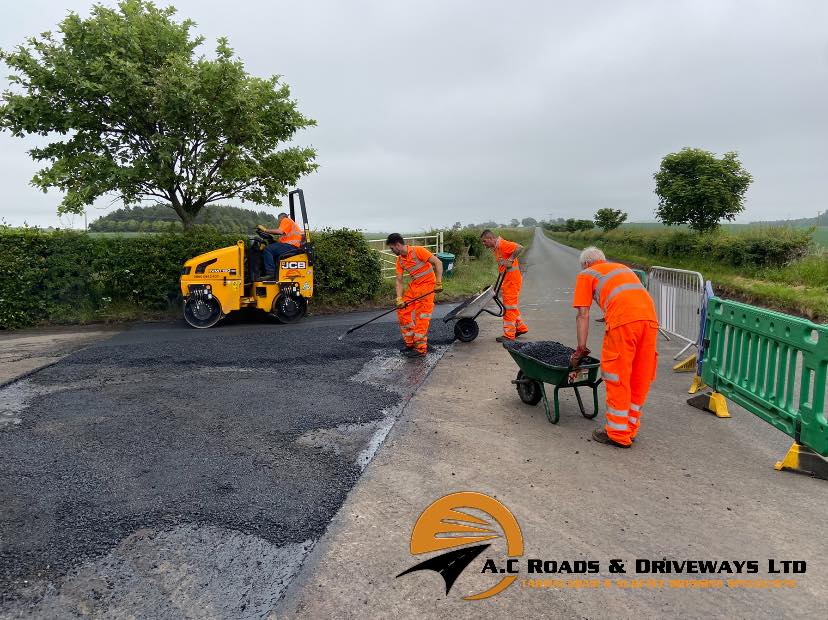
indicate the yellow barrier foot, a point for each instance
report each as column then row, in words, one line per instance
column 718, row 405
column 714, row 403
column 697, row 385
column 803, row 460
column 686, row 365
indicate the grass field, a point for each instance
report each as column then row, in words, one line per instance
column 820, row 235
column 800, row 288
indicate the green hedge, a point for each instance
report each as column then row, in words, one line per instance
column 760, row 247
column 458, row 242
column 468, row 239
column 346, row 271
column 62, row 276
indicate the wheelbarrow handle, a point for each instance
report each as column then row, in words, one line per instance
column 501, row 309
column 499, row 282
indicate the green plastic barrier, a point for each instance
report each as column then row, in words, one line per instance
column 772, row 364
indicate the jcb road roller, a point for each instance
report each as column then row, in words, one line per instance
column 229, row 279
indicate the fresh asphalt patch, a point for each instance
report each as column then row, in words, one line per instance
column 171, row 472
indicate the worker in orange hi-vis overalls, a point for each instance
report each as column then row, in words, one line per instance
column 414, row 314
column 507, row 254
column 289, row 237
column 628, row 357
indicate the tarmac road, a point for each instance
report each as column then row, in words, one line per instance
column 170, row 472
column 692, row 487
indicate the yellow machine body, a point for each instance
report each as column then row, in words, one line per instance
column 223, row 271
column 222, row 281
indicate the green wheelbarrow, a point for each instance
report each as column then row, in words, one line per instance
column 533, row 374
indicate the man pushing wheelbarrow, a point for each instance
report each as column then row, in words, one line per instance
column 508, row 255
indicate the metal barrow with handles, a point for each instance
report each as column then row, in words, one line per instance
column 464, row 315
column 534, row 374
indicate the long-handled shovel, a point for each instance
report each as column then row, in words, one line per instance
column 379, row 316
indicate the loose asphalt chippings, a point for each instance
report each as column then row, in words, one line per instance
column 172, row 472
column 547, row 352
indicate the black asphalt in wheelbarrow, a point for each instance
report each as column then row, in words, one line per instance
column 534, row 373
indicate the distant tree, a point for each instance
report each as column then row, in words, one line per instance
column 514, row 223
column 129, row 109
column 573, row 225
column 221, row 218
column 609, row 219
column 457, row 226
column 529, row 221
column 696, row 188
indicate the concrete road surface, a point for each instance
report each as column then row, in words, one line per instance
column 693, row 487
column 178, row 473
column 27, row 350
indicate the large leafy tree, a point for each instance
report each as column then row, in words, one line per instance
column 609, row 219
column 131, row 110
column 696, row 188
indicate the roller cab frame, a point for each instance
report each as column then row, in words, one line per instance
column 228, row 279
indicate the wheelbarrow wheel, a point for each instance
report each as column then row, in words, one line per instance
column 529, row 390
column 466, row 329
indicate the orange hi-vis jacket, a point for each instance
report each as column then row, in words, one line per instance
column 293, row 234
column 617, row 291
column 415, row 264
column 504, row 250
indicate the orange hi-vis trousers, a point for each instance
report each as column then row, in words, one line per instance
column 415, row 317
column 628, row 367
column 509, row 293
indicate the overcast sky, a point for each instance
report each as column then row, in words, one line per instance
column 430, row 112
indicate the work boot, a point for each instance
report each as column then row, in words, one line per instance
column 414, row 353
column 600, row 435
column 406, row 347
column 267, row 277
column 523, row 333
column 504, row 339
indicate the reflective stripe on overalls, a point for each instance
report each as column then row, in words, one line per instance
column 415, row 264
